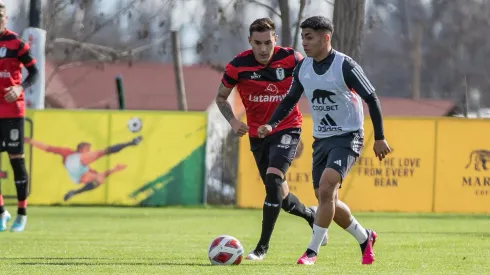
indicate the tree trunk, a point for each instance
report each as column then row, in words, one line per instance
column 285, row 23
column 302, row 4
column 348, row 21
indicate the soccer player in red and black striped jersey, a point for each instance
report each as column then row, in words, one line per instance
column 262, row 77
column 14, row 53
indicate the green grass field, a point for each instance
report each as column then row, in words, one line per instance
column 103, row 240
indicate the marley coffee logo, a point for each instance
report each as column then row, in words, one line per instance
column 479, row 180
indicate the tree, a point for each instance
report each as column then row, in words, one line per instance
column 437, row 45
column 227, row 23
column 348, row 21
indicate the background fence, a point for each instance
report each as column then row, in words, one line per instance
column 437, row 164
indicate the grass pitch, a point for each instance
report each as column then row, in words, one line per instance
column 104, row 240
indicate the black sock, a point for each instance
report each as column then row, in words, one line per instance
column 118, row 147
column 21, row 211
column 21, row 183
column 2, row 209
column 292, row 205
column 86, row 187
column 20, row 178
column 310, row 253
column 271, row 210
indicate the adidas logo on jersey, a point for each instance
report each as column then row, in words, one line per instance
column 327, row 124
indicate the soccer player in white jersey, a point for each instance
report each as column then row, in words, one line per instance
column 334, row 85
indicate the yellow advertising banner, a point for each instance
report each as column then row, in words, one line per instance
column 250, row 192
column 393, row 184
column 401, row 182
column 463, row 166
column 101, row 157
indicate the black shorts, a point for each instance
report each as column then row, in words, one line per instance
column 277, row 150
column 337, row 152
column 12, row 135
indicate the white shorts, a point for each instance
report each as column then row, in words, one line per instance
column 75, row 168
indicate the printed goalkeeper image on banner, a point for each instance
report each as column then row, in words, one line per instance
column 69, row 153
column 117, row 158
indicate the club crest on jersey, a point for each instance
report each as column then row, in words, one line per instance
column 280, row 73
column 14, row 134
column 3, row 52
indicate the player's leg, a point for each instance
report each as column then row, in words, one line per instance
column 327, row 181
column 89, row 157
column 365, row 237
column 260, row 152
column 282, row 150
column 14, row 142
column 344, row 218
column 89, row 181
column 4, row 214
column 92, row 180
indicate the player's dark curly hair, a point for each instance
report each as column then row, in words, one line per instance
column 262, row 25
column 318, row 23
column 81, row 145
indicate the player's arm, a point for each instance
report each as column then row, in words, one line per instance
column 356, row 80
column 25, row 57
column 289, row 102
column 47, row 148
column 230, row 79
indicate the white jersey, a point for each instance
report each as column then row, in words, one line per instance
column 335, row 109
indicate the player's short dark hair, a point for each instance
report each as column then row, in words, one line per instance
column 262, row 25
column 2, row 4
column 82, row 144
column 318, row 23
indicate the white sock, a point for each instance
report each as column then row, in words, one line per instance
column 357, row 231
column 316, row 240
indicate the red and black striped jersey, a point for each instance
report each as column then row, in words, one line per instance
column 14, row 53
column 262, row 87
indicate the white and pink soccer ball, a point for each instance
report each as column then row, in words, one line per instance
column 225, row 250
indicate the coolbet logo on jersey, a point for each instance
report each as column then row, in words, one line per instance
column 322, row 101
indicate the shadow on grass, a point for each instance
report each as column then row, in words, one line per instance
column 122, row 264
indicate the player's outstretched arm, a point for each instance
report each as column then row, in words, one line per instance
column 356, row 79
column 224, row 106
column 47, row 148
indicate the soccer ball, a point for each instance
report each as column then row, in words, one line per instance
column 135, row 124
column 225, row 250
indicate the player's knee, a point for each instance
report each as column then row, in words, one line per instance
column 273, row 184
column 329, row 184
column 19, row 168
column 330, row 178
column 284, row 190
